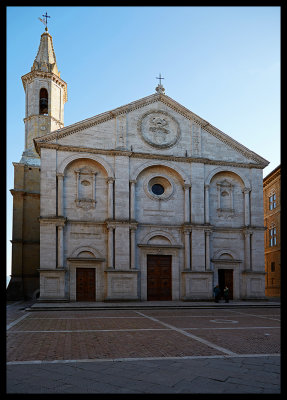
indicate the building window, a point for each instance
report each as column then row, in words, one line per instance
column 272, row 237
column 43, row 102
column 157, row 189
column 272, row 202
column 272, row 266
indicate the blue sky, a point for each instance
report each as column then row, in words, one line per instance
column 222, row 63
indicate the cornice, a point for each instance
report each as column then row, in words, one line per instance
column 40, row 116
column 17, row 192
column 148, row 156
column 100, row 118
column 21, row 241
column 46, row 75
column 270, row 178
column 160, row 246
column 52, row 219
column 85, row 260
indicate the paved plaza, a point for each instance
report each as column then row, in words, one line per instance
column 143, row 349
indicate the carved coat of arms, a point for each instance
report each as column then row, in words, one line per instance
column 159, row 129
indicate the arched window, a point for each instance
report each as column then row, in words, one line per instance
column 43, row 102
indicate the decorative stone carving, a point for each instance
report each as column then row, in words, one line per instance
column 196, row 139
column 121, row 128
column 159, row 129
column 85, row 188
column 225, row 199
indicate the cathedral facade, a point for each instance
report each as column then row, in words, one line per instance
column 147, row 201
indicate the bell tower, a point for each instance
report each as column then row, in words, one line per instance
column 45, row 96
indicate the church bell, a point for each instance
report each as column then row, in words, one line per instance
column 43, row 102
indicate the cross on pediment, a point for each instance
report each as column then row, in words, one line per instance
column 160, row 78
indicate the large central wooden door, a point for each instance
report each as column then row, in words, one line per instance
column 85, row 289
column 159, row 277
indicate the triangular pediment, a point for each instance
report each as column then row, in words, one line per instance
column 94, row 128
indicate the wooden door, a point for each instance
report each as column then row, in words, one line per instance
column 86, row 288
column 159, row 277
column 228, row 281
column 225, row 278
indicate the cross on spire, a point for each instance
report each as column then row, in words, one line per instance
column 46, row 16
column 43, row 20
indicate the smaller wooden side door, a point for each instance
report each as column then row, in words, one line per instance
column 225, row 278
column 86, row 284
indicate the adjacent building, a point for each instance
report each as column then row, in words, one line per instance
column 272, row 213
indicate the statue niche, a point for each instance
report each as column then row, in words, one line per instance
column 86, row 185
column 225, row 198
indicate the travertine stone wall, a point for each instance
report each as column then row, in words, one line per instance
column 97, row 199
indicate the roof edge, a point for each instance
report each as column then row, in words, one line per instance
column 107, row 115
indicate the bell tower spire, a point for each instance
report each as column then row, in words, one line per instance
column 46, row 94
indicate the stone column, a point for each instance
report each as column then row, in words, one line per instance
column 190, row 204
column 246, row 206
column 186, row 203
column 60, row 178
column 133, row 247
column 206, row 204
column 110, row 247
column 110, row 198
column 186, row 249
column 17, row 238
column 207, row 247
column 60, row 262
column 77, row 184
column 132, row 199
column 247, row 250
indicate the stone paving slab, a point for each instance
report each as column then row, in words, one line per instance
column 215, row 375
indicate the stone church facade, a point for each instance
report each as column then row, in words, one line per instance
column 147, row 201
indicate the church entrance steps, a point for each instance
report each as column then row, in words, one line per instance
column 74, row 306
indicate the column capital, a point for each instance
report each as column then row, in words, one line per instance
column 186, row 229
column 246, row 190
column 111, row 225
column 110, row 179
column 133, row 226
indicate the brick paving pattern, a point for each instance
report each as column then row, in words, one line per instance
column 150, row 337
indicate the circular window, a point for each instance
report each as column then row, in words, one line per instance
column 157, row 189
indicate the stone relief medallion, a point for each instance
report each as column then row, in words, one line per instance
column 159, row 129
